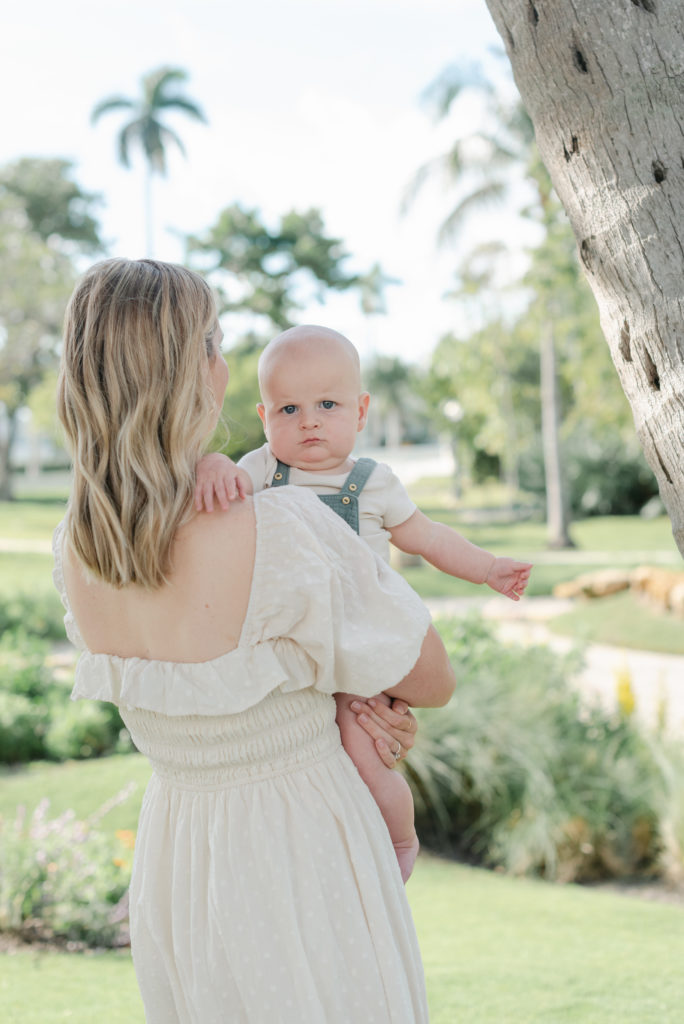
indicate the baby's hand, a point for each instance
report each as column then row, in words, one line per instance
column 509, row 577
column 218, row 475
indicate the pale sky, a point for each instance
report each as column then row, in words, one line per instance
column 309, row 102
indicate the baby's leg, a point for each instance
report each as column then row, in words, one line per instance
column 389, row 789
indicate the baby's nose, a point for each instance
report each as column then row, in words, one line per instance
column 308, row 419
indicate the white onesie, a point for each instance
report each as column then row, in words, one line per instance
column 383, row 502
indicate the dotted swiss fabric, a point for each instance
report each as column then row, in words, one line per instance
column 265, row 887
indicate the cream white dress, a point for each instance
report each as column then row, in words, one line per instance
column 265, row 886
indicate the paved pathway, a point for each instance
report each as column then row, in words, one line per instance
column 657, row 679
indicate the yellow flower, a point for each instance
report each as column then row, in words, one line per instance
column 119, row 862
column 126, row 836
column 625, row 692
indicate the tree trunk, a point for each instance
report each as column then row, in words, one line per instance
column 557, row 510
column 603, row 85
column 8, row 433
column 149, row 213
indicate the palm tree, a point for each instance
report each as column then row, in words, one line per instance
column 481, row 164
column 146, row 129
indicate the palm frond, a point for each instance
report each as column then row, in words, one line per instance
column 132, row 132
column 111, row 103
column 157, row 81
column 448, row 165
column 449, row 85
column 181, row 103
column 490, row 193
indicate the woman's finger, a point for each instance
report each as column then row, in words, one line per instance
column 396, row 741
column 393, row 718
column 386, row 755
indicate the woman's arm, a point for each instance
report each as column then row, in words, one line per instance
column 431, row 681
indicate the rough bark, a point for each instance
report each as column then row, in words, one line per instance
column 604, row 85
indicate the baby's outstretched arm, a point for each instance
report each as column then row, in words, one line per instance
column 217, row 475
column 449, row 551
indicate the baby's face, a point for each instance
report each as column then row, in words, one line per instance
column 312, row 406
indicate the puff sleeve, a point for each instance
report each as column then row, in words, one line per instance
column 325, row 596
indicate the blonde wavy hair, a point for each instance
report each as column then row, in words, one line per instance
column 136, row 405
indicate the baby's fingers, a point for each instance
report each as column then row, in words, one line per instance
column 223, row 493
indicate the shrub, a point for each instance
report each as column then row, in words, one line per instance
column 37, row 718
column 520, row 774
column 61, row 878
column 22, row 728
column 605, row 474
column 22, row 664
column 41, row 615
column 85, row 729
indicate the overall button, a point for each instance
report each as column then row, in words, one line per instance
column 346, row 500
column 277, row 476
column 352, row 487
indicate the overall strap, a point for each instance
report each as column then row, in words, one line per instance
column 357, row 479
column 281, row 475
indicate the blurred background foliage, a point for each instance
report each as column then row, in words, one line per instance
column 481, row 389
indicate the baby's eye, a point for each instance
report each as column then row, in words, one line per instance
column 328, row 404
column 289, row 409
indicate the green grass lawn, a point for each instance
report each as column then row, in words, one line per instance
column 30, row 519
column 496, row 951
column 81, row 786
column 25, row 573
column 624, row 621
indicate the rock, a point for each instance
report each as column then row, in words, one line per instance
column 663, row 588
column 594, row 584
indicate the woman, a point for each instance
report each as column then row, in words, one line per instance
column 265, row 886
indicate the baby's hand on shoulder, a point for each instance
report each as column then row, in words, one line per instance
column 509, row 577
column 217, row 475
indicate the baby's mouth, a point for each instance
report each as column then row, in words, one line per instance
column 311, row 440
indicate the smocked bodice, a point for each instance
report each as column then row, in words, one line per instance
column 282, row 733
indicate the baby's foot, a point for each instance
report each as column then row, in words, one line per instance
column 407, row 851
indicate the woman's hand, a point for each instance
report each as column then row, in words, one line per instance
column 390, row 723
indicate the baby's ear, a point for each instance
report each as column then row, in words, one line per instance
column 364, row 400
column 261, row 409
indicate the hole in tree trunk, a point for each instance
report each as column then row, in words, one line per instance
column 586, row 253
column 534, row 13
column 646, row 5
column 580, row 62
column 625, row 345
column 574, row 148
column 652, row 375
column 659, row 171
column 663, row 466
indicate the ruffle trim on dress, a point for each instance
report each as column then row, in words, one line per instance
column 227, row 685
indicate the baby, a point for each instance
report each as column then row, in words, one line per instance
column 312, row 408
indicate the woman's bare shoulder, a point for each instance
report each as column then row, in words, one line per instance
column 221, row 536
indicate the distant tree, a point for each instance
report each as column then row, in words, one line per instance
column 47, row 224
column 397, row 408
column 58, row 210
column 484, row 165
column 263, row 273
column 35, row 281
column 146, row 129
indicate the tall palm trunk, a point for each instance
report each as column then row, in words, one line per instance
column 149, row 212
column 557, row 513
column 8, row 432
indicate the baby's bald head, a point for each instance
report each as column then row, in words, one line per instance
column 304, row 343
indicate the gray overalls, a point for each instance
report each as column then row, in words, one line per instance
column 346, row 501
